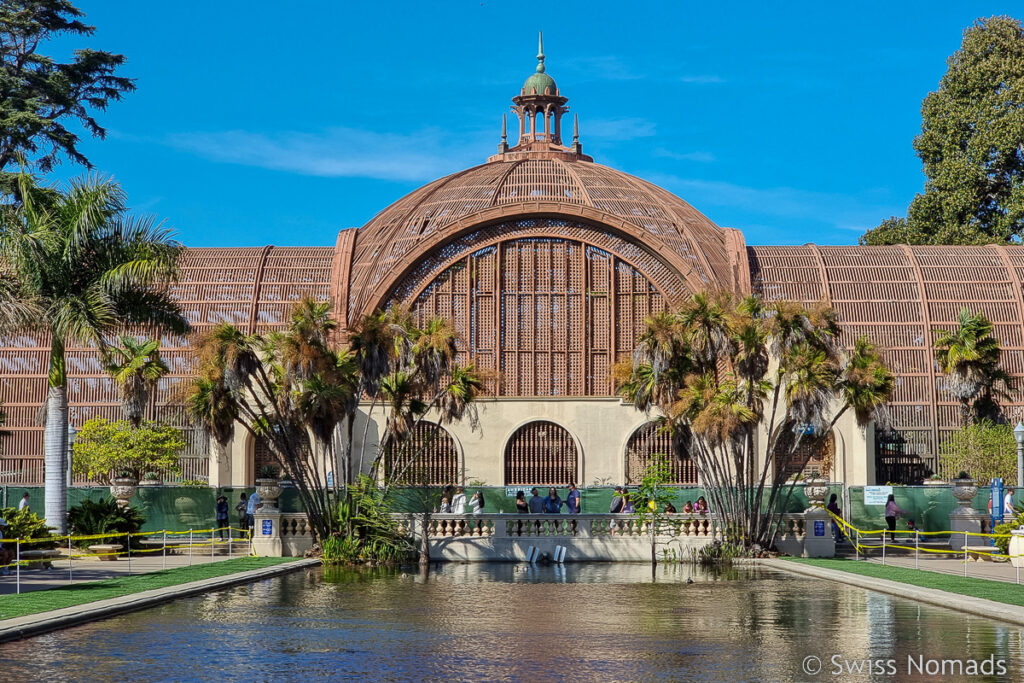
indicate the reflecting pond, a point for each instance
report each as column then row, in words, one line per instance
column 607, row 622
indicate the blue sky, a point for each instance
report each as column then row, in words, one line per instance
column 274, row 123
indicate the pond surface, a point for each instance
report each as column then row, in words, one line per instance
column 596, row 622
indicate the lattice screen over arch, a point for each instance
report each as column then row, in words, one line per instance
column 429, row 457
column 818, row 451
column 649, row 442
column 549, row 315
column 541, row 454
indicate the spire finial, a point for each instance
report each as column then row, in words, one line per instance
column 504, row 129
column 540, row 52
column 576, row 128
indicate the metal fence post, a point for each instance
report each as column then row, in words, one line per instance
column 129, row 554
column 165, row 549
column 212, row 545
column 190, row 547
column 17, row 567
column 883, row 547
column 917, row 546
column 230, row 537
column 71, row 561
column 856, row 546
column 965, row 554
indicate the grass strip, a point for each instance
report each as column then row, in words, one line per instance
column 997, row 591
column 45, row 600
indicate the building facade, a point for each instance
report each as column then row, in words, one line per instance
column 548, row 263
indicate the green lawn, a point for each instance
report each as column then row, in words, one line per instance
column 81, row 593
column 997, row 591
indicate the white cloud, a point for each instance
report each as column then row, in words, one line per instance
column 619, row 129
column 702, row 157
column 336, row 152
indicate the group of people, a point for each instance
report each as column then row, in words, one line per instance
column 455, row 501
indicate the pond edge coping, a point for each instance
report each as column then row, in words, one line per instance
column 30, row 625
column 979, row 607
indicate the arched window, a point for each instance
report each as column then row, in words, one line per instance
column 429, row 457
column 541, row 453
column 816, row 449
column 263, row 455
column 650, row 441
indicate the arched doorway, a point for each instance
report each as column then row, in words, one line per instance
column 650, row 441
column 429, row 457
column 541, row 453
column 817, row 450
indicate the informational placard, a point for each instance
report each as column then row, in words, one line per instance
column 268, row 527
column 876, row 495
column 819, row 527
column 511, row 491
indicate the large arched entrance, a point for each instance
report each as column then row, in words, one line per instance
column 541, row 453
column 429, row 457
column 262, row 456
column 648, row 443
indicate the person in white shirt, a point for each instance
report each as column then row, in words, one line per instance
column 23, row 505
column 476, row 503
column 1008, row 512
column 459, row 502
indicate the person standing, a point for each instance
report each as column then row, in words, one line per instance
column 521, row 505
column 240, row 508
column 572, row 501
column 892, row 510
column 616, row 505
column 536, row 502
column 833, row 507
column 23, row 503
column 627, row 504
column 552, row 504
column 254, row 504
column 459, row 502
column 1009, row 513
column 222, row 516
column 476, row 503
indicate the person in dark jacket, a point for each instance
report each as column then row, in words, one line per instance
column 833, row 507
column 243, row 517
column 222, row 516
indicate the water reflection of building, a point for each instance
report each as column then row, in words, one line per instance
column 548, row 263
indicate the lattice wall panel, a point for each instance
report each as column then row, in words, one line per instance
column 650, row 442
column 817, row 452
column 541, row 454
column 548, row 315
column 900, row 297
column 429, row 457
column 251, row 288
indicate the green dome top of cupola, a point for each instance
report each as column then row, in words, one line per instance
column 540, row 83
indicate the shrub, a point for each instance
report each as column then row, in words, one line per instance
column 986, row 450
column 95, row 517
column 368, row 532
column 1005, row 528
column 26, row 524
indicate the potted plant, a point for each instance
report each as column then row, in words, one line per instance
column 151, row 479
column 268, row 486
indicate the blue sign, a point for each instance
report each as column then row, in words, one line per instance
column 268, row 527
column 819, row 527
column 996, row 503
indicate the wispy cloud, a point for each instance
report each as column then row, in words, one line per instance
column 702, row 157
column 847, row 212
column 702, row 79
column 629, row 128
column 605, row 68
column 337, row 152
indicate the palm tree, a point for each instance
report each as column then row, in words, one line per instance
column 80, row 268
column 969, row 356
column 210, row 404
column 136, row 368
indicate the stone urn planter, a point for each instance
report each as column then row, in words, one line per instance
column 122, row 489
column 1017, row 547
column 151, row 479
column 816, row 489
column 108, row 552
column 964, row 490
column 269, row 491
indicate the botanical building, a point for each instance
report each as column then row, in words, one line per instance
column 548, row 263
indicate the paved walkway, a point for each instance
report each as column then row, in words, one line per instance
column 951, row 563
column 66, row 572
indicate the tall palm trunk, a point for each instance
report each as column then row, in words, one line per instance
column 55, row 448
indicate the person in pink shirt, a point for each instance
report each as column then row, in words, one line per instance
column 891, row 512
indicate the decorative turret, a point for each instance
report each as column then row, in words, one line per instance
column 539, row 108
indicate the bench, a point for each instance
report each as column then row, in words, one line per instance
column 108, row 552
column 979, row 553
column 44, row 558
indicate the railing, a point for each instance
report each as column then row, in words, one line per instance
column 295, row 524
column 557, row 525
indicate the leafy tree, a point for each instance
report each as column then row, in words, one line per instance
column 105, row 450
column 80, row 267
column 136, row 368
column 40, row 97
column 969, row 356
column 654, row 494
column 707, row 368
column 984, row 450
column 971, row 142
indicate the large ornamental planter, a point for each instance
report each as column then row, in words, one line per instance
column 269, row 491
column 964, row 490
column 122, row 489
column 816, row 488
column 1016, row 551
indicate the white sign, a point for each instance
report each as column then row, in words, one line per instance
column 511, row 491
column 876, row 495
